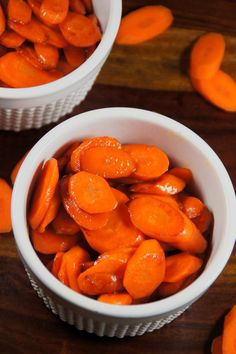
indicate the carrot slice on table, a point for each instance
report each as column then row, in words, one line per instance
column 145, row 270
column 5, row 206
column 204, row 220
column 182, row 172
column 228, row 337
column 54, row 11
column 191, row 206
column 150, row 161
column 80, row 30
column 220, row 90
column 19, row 11
column 11, row 39
column 180, row 266
column 43, row 192
column 81, row 217
column 29, row 54
column 216, row 346
column 144, row 24
column 108, row 162
column 17, row 72
column 56, row 264
column 64, row 224
column 48, row 242
column 118, row 232
column 51, row 211
column 75, row 56
column 17, row 167
column 156, row 218
column 120, row 196
column 102, row 141
column 47, row 54
column 78, row 6
column 116, row 299
column 207, row 55
column 2, row 21
column 91, row 193
column 32, row 31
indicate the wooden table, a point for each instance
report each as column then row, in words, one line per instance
column 151, row 76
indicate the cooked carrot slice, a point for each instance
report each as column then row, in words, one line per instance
column 91, row 193
column 17, row 72
column 81, row 217
column 29, row 54
column 17, row 167
column 144, row 24
column 11, row 39
column 54, row 11
column 220, row 90
column 108, row 162
column 204, row 220
column 103, row 141
column 54, row 37
column 56, row 264
column 35, row 6
column 156, row 218
column 145, row 270
column 48, row 242
column 165, row 198
column 228, row 337
column 168, row 289
column 116, row 299
column 118, row 232
column 216, row 345
column 120, row 196
column 80, row 30
column 182, row 173
column 64, row 158
column 78, row 6
column 74, row 55
column 180, row 266
column 2, row 21
column 64, row 224
column 5, row 206
column 47, row 54
column 167, row 184
column 32, row 31
column 43, row 192
column 191, row 206
column 51, row 211
column 19, row 11
column 207, row 55
column 150, row 161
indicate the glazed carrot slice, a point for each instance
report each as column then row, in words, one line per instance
column 64, row 224
column 150, row 161
column 51, row 211
column 220, row 90
column 48, row 242
column 5, row 206
column 102, row 141
column 56, row 264
column 64, row 158
column 116, row 299
column 47, row 54
column 182, row 173
column 156, row 218
column 54, row 11
column 144, row 24
column 91, row 193
column 167, row 184
column 81, row 217
column 29, row 54
column 120, row 196
column 165, row 198
column 78, row 6
column 145, row 270
column 11, row 39
column 2, row 21
column 54, row 37
column 216, row 345
column 118, row 232
column 207, row 55
column 228, row 337
column 32, row 31
column 43, row 192
column 17, row 72
column 75, row 56
column 168, row 289
column 35, row 5
column 204, row 220
column 180, row 266
column 19, row 11
column 80, row 30
column 108, row 162
column 191, row 206
column 17, row 167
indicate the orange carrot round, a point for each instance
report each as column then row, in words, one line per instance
column 216, row 345
column 56, row 264
column 228, row 337
column 191, row 206
column 120, row 196
column 19, row 11
column 32, row 31
column 75, row 56
column 116, row 299
column 204, row 220
column 47, row 54
column 64, row 224
column 5, row 206
column 54, row 11
column 182, row 173
column 51, row 211
column 11, row 39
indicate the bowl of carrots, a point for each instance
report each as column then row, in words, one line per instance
column 50, row 56
column 126, row 219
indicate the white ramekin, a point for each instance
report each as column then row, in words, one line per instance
column 184, row 148
column 36, row 106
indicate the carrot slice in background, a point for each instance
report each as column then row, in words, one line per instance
column 228, row 336
column 19, row 11
column 182, row 173
column 145, row 270
column 91, row 193
column 5, row 206
column 108, row 162
column 54, row 11
column 2, row 21
column 81, row 217
column 48, row 242
column 216, row 345
column 207, row 55
column 78, row 6
column 151, row 162
column 80, row 30
column 144, row 24
column 56, row 264
column 204, row 220
column 156, row 218
column 180, row 266
column 116, row 299
column 64, row 224
column 118, row 232
column 43, row 192
column 191, row 206
column 120, row 196
column 220, row 90
column 47, row 54
column 75, row 56
column 32, row 31
column 51, row 211
column 11, row 39
column 17, row 168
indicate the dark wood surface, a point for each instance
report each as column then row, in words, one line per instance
column 151, row 76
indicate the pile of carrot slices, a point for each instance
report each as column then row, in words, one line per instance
column 43, row 40
column 117, row 223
